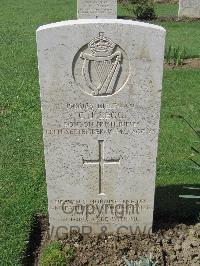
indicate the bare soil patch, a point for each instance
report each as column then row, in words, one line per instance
column 178, row 245
column 188, row 63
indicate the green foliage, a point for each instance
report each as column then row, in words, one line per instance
column 196, row 162
column 166, row 10
column 190, row 196
column 195, row 149
column 143, row 261
column 56, row 253
column 125, row 8
column 177, row 36
column 144, row 10
column 69, row 253
column 134, row 1
column 22, row 180
column 181, row 87
column 175, row 55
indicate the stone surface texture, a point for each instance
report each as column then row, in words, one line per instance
column 189, row 8
column 89, row 9
column 101, row 83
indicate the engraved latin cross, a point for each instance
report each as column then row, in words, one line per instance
column 101, row 162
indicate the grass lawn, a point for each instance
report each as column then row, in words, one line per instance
column 22, row 180
column 181, row 96
column 183, row 35
column 180, row 34
column 166, row 10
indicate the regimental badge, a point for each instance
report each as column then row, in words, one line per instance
column 101, row 67
column 106, row 63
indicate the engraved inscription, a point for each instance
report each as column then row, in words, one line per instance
column 104, row 67
column 190, row 3
column 102, row 210
column 102, row 119
column 101, row 162
column 97, row 9
column 189, row 8
column 100, row 97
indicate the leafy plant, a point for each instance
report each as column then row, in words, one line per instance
column 194, row 149
column 175, row 55
column 134, row 1
column 144, row 10
column 143, row 261
column 196, row 163
column 168, row 54
column 56, row 253
column 190, row 196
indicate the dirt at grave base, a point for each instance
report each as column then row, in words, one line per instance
column 176, row 246
column 193, row 63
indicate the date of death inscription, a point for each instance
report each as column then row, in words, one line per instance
column 100, row 119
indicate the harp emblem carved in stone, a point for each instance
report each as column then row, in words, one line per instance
column 102, row 66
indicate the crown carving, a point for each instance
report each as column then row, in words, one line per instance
column 101, row 46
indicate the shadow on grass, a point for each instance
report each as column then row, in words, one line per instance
column 126, row 17
column 38, row 228
column 171, row 210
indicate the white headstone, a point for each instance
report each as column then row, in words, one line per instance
column 189, row 8
column 101, row 83
column 96, row 9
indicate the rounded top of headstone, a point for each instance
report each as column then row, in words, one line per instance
column 101, row 21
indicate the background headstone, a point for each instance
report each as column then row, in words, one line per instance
column 101, row 83
column 97, row 9
column 189, row 8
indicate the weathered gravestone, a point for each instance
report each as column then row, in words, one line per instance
column 97, row 9
column 101, row 82
column 189, row 8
